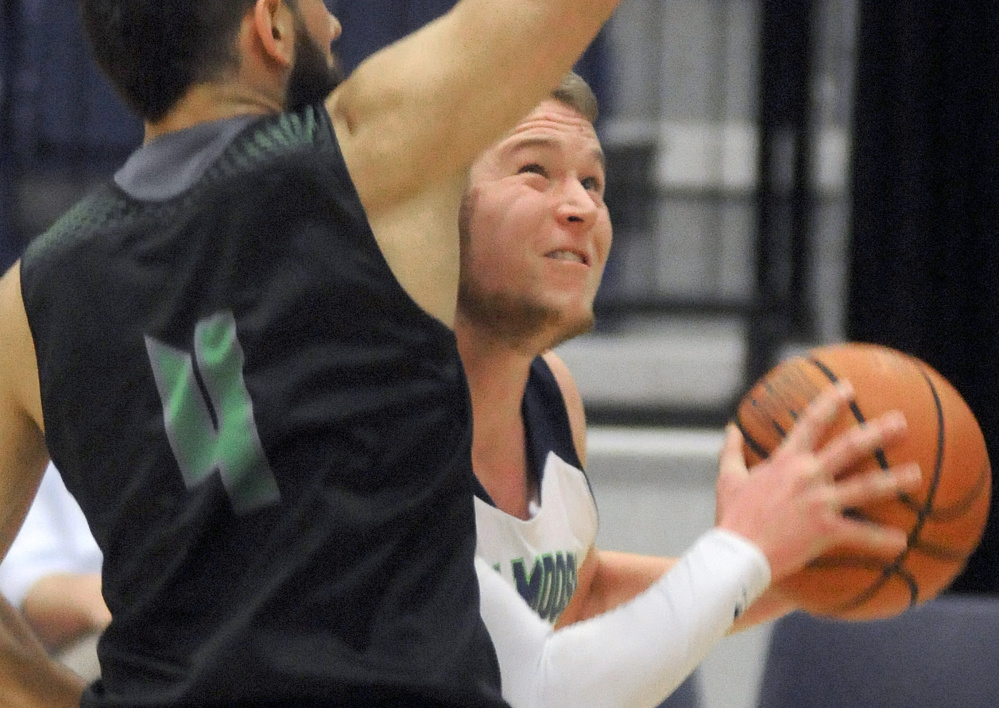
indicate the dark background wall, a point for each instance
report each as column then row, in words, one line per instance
column 925, row 266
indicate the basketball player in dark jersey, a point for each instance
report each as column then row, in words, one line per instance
column 294, row 532
column 238, row 352
column 658, row 635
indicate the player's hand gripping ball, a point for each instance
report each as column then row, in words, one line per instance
column 944, row 521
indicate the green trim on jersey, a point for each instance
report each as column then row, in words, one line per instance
column 105, row 208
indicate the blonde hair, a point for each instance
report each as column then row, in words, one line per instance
column 573, row 91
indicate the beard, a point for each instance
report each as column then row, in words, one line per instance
column 312, row 78
column 523, row 324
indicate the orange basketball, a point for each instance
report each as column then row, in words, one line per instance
column 944, row 520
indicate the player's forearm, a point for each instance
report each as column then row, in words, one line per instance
column 62, row 607
column 29, row 678
column 440, row 96
column 620, row 577
column 636, row 654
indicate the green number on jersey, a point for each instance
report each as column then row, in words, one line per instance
column 228, row 443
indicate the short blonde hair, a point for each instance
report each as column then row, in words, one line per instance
column 573, row 91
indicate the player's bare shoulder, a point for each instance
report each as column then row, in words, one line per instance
column 573, row 401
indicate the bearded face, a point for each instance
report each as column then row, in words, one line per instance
column 535, row 232
column 521, row 317
column 314, row 74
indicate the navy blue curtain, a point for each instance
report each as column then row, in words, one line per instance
column 8, row 248
column 370, row 25
column 66, row 112
column 925, row 256
column 61, row 125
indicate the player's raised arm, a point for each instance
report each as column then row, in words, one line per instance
column 411, row 119
column 423, row 108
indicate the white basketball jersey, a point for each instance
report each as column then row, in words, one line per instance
column 540, row 557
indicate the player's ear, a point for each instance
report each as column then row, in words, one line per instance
column 274, row 25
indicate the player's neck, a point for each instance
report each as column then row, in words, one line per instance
column 497, row 378
column 499, row 458
column 497, row 371
column 210, row 102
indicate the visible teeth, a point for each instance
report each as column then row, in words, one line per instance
column 566, row 256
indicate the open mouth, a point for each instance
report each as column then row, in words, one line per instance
column 568, row 257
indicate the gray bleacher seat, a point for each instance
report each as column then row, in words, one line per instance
column 943, row 654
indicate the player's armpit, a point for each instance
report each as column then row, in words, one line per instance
column 419, row 239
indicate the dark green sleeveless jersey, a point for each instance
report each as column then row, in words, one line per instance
column 270, row 440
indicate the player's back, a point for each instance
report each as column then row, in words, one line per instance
column 269, row 438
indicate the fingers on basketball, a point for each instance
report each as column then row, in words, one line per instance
column 942, row 516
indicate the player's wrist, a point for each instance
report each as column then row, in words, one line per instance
column 745, row 558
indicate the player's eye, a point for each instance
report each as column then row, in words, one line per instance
column 533, row 168
column 592, row 183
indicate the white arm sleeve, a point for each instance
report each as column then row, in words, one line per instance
column 635, row 655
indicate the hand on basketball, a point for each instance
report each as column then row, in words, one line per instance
column 793, row 504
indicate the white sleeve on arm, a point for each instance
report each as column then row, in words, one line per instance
column 635, row 655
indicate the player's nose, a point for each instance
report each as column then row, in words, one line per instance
column 576, row 204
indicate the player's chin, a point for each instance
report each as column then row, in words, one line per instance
column 573, row 323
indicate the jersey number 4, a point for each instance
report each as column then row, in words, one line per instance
column 210, row 423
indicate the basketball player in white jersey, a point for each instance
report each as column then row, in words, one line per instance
column 535, row 236
column 530, row 431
